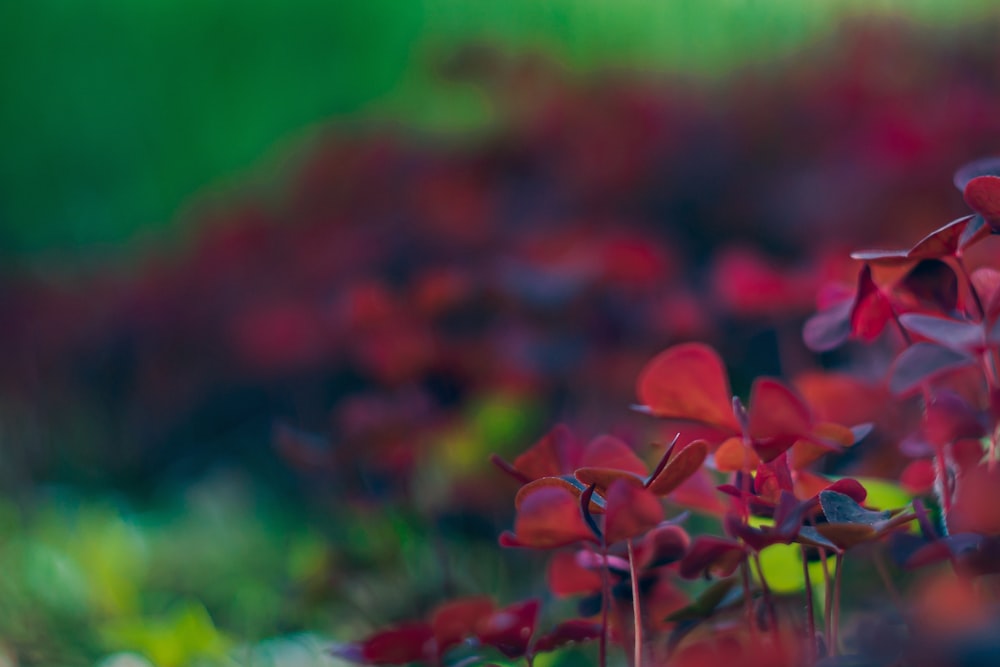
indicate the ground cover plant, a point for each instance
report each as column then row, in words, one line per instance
column 756, row 465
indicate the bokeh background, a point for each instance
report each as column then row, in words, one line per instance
column 276, row 278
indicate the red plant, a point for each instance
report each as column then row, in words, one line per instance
column 600, row 506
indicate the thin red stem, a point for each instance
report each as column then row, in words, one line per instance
column 835, row 628
column 605, row 603
column 636, row 611
column 747, row 602
column 772, row 614
column 827, row 602
column 810, row 605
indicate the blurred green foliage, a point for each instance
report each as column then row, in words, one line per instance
column 115, row 112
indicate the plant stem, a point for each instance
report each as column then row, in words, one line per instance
column 810, row 606
column 636, row 612
column 835, row 628
column 772, row 613
column 747, row 602
column 827, row 602
column 605, row 603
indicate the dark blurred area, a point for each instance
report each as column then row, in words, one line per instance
column 393, row 279
column 358, row 331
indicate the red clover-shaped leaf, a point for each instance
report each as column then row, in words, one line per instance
column 509, row 630
column 956, row 334
column 688, row 381
column 711, row 555
column 568, row 632
column 631, row 511
column 679, row 468
column 922, row 362
column 548, row 517
column 982, row 194
column 453, row 621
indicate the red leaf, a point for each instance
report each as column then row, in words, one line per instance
column 949, row 418
column 921, row 363
column 567, row 632
column 606, row 459
column 405, row 643
column 982, row 194
column 871, row 310
column 976, row 506
column 509, row 629
column 680, row 467
column 733, row 455
column 918, row 477
column 945, row 241
column 698, row 492
column 453, row 621
column 805, row 451
column 688, row 381
column 557, row 453
column 661, row 546
column 776, row 411
column 567, row 577
column 549, row 517
column 711, row 555
column 631, row 511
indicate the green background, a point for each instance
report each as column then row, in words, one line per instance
column 115, row 113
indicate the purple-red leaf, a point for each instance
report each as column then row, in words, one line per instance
column 982, row 194
column 922, row 362
column 711, row 555
column 776, row 411
column 568, row 632
column 682, row 465
column 956, row 334
column 830, row 328
column 509, row 629
column 631, row 511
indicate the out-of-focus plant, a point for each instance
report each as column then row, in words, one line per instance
column 601, row 510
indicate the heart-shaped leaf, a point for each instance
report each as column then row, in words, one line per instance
column 688, row 381
column 949, row 418
column 982, row 194
column 711, row 555
column 679, row 468
column 548, row 517
column 922, row 362
column 509, row 630
column 945, row 241
column 872, row 309
column 776, row 411
column 631, row 511
column 732, row 455
column 453, row 621
column 557, row 453
column 568, row 632
column 955, row 334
